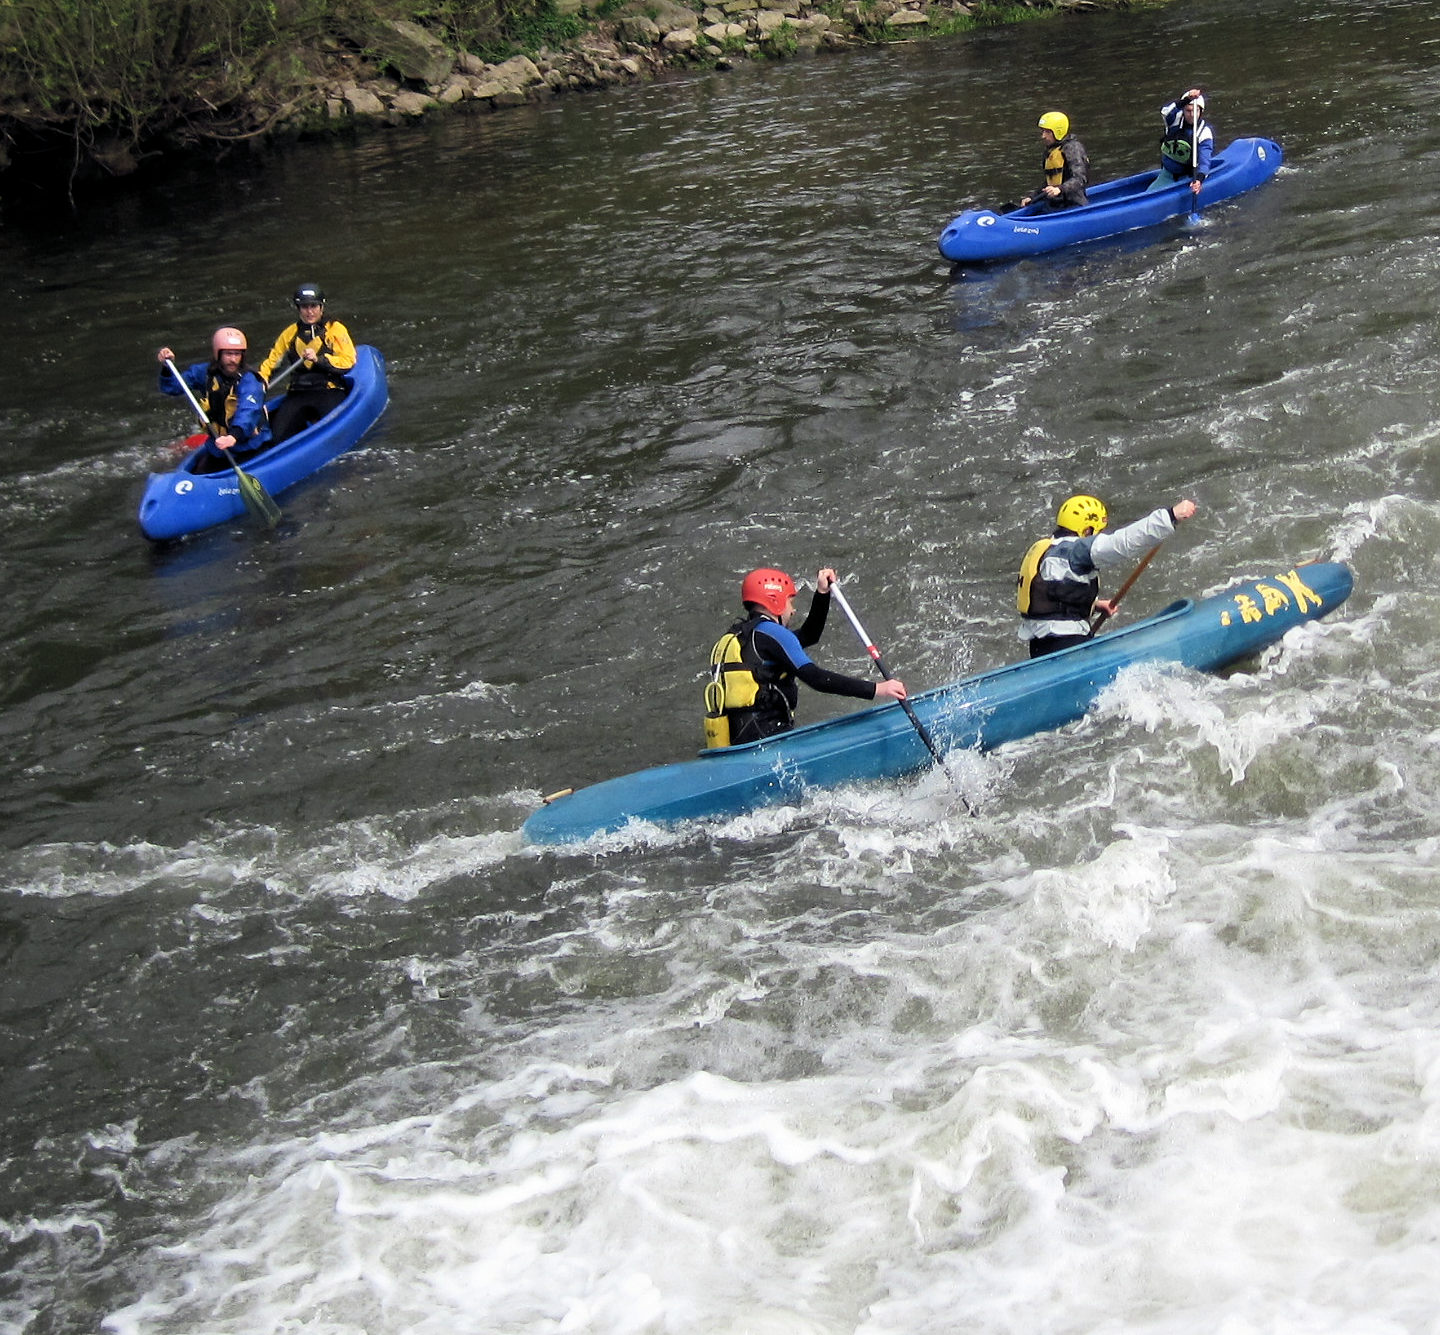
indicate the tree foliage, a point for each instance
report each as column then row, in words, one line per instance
column 115, row 77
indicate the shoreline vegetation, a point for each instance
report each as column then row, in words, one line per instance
column 97, row 90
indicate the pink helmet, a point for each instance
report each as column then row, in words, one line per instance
column 227, row 339
column 770, row 589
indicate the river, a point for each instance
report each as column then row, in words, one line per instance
column 295, row 1035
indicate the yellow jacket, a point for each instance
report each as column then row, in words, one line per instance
column 334, row 349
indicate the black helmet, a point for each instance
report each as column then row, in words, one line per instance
column 309, row 292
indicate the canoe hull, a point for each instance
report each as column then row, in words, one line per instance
column 980, row 236
column 982, row 712
column 184, row 501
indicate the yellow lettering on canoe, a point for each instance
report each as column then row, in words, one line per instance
column 1273, row 598
column 1249, row 610
column 1305, row 596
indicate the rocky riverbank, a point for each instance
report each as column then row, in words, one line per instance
column 397, row 71
column 415, row 74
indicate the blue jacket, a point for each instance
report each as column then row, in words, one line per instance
column 237, row 409
column 1177, row 143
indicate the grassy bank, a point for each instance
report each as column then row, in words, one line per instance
column 94, row 88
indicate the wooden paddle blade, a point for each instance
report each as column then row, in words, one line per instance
column 257, row 500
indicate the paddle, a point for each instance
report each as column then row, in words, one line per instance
column 252, row 491
column 1123, row 590
column 885, row 672
column 270, row 387
column 1195, row 163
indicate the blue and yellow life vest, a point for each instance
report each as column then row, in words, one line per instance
column 1041, row 599
column 221, row 400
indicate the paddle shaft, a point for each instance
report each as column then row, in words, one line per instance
column 299, row 361
column 885, row 672
column 190, row 394
column 1195, row 161
column 1125, row 588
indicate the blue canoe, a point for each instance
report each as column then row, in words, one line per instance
column 981, row 235
column 184, row 501
column 983, row 711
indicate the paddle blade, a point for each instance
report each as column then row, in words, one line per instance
column 258, row 501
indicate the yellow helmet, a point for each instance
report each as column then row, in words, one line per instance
column 1082, row 512
column 1057, row 122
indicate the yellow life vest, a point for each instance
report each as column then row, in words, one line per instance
column 1054, row 166
column 1029, row 568
column 732, row 685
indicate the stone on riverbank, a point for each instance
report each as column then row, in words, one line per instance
column 637, row 42
column 413, row 54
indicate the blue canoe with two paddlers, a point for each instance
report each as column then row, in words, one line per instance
column 981, row 712
column 979, row 236
column 184, row 501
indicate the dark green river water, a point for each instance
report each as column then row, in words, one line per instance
column 295, row 1035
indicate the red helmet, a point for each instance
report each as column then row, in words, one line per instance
column 226, row 339
column 770, row 589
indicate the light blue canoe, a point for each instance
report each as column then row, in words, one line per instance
column 983, row 711
column 981, row 235
column 185, row 501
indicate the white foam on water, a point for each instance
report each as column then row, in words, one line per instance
column 1160, row 699
column 1184, row 1084
column 388, row 866
column 58, row 871
column 352, row 860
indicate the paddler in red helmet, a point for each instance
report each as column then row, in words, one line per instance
column 756, row 664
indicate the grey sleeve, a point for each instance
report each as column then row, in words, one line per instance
column 1130, row 543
